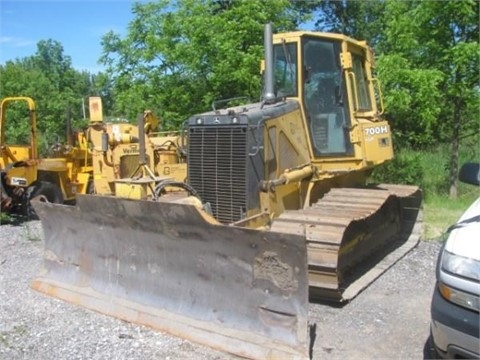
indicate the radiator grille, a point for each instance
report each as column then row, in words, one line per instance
column 217, row 169
column 129, row 163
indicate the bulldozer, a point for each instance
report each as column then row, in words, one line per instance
column 25, row 175
column 276, row 211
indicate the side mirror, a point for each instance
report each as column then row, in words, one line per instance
column 470, row 173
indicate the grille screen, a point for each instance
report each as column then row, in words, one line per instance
column 129, row 163
column 217, row 169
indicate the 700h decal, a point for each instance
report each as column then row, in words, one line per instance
column 376, row 130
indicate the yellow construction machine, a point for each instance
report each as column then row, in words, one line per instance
column 276, row 210
column 130, row 160
column 103, row 159
column 24, row 175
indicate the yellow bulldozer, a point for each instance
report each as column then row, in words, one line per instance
column 276, row 210
column 25, row 175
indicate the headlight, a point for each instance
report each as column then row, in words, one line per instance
column 458, row 297
column 461, row 266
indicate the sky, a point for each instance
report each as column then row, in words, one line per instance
column 77, row 25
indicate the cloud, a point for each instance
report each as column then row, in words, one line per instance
column 100, row 31
column 15, row 42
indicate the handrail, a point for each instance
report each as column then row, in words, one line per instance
column 32, row 116
column 351, row 74
column 380, row 95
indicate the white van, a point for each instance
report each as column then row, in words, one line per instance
column 456, row 299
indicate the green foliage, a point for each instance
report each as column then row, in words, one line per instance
column 429, row 168
column 49, row 78
column 405, row 168
column 419, row 71
column 5, row 218
column 358, row 19
column 180, row 56
column 413, row 100
column 429, row 62
column 17, row 132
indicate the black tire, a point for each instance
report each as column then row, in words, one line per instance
column 429, row 351
column 45, row 191
column 50, row 190
column 90, row 187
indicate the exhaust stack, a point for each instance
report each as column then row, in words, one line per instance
column 269, row 94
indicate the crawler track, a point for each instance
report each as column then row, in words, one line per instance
column 353, row 235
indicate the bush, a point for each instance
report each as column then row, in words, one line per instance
column 428, row 169
column 405, row 168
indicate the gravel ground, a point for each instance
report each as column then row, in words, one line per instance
column 390, row 319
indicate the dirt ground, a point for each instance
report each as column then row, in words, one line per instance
column 389, row 320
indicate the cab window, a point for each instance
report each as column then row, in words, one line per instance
column 285, row 58
column 364, row 103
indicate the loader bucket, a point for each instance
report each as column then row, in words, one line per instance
column 163, row 265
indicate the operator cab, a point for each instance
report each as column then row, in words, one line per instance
column 321, row 70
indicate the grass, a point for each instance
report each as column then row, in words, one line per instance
column 440, row 212
column 429, row 169
column 4, row 218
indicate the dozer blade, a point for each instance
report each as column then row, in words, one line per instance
column 238, row 290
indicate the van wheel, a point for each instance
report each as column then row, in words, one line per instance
column 429, row 351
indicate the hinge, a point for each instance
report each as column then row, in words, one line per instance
column 355, row 136
column 346, row 60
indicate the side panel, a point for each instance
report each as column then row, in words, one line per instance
column 162, row 265
column 377, row 138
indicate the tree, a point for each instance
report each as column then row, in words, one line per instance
column 362, row 20
column 432, row 72
column 180, row 56
column 49, row 78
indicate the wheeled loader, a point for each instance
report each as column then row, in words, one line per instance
column 25, row 175
column 276, row 211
